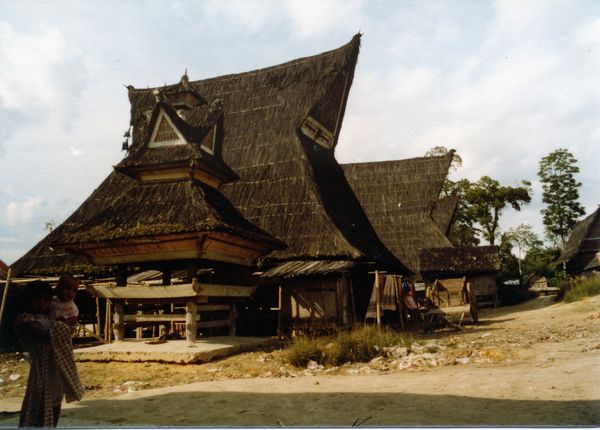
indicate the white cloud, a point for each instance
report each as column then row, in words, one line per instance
column 76, row 152
column 249, row 14
column 314, row 18
column 8, row 239
column 19, row 213
column 40, row 79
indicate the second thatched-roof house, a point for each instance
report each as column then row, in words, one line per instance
column 401, row 199
column 583, row 245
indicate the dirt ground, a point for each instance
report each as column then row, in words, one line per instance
column 537, row 363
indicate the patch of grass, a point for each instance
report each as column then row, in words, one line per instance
column 359, row 345
column 582, row 288
column 304, row 350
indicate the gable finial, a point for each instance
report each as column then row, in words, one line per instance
column 185, row 81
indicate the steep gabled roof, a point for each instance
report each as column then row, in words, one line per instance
column 443, row 212
column 287, row 186
column 580, row 232
column 399, row 197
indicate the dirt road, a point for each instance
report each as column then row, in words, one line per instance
column 533, row 364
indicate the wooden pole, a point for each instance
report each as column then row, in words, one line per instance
column 118, row 324
column 5, row 294
column 191, row 312
column 377, row 299
column 399, row 304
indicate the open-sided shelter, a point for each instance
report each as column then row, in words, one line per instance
column 476, row 265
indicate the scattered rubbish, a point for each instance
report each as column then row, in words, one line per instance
column 14, row 376
column 312, row 365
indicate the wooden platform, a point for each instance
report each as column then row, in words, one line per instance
column 172, row 351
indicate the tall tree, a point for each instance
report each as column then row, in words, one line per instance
column 560, row 194
column 437, row 151
column 463, row 231
column 487, row 199
column 525, row 239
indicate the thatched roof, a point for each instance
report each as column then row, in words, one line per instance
column 399, row 198
column 154, row 208
column 290, row 269
column 444, row 211
column 581, row 233
column 289, row 186
column 3, row 270
column 459, row 261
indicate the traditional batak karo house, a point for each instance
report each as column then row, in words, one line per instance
column 229, row 173
column 583, row 246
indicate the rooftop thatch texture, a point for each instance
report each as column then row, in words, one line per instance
column 443, row 212
column 154, row 208
column 289, row 186
column 290, row 269
column 400, row 197
column 459, row 261
column 584, row 239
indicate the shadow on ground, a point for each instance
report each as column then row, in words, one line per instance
column 327, row 409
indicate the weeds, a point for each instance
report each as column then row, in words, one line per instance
column 359, row 345
column 583, row 287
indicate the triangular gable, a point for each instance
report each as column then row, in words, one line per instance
column 165, row 133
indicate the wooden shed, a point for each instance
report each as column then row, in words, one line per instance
column 478, row 265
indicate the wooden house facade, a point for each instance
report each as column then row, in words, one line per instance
column 582, row 247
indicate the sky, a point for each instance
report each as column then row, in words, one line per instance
column 503, row 82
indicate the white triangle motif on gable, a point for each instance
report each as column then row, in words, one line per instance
column 165, row 133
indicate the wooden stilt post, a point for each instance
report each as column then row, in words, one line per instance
column 352, row 304
column 191, row 313
column 98, row 327
column 399, row 304
column 118, row 322
column 232, row 320
column 279, row 312
column 5, row 294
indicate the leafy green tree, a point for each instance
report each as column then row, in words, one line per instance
column 463, row 230
column 487, row 199
column 540, row 261
column 524, row 239
column 509, row 265
column 437, row 151
column 560, row 194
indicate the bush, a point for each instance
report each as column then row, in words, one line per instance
column 304, row 350
column 583, row 287
column 359, row 345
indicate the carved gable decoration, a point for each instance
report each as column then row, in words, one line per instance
column 165, row 133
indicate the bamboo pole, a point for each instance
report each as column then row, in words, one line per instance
column 5, row 294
